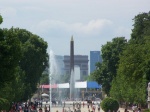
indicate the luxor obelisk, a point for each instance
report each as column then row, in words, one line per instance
column 72, row 81
column 71, row 54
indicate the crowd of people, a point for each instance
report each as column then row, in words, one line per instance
column 74, row 107
column 24, row 107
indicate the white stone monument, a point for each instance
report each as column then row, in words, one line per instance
column 148, row 99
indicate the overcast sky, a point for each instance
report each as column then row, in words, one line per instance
column 91, row 22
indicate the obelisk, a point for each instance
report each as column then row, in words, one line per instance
column 72, row 81
column 71, row 54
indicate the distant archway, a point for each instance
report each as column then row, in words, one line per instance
column 79, row 60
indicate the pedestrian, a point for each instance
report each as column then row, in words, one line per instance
column 40, row 110
column 139, row 109
column 125, row 110
column 88, row 106
column 49, row 108
column 73, row 105
column 75, row 110
column 64, row 103
column 98, row 108
column 45, row 108
column 63, row 110
column 83, row 104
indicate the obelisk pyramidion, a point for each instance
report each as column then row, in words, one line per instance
column 72, row 81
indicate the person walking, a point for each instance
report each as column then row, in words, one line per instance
column 98, row 107
column 83, row 104
column 139, row 109
column 40, row 110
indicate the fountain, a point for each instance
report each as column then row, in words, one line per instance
column 53, row 71
column 72, row 85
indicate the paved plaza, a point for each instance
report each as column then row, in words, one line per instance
column 83, row 108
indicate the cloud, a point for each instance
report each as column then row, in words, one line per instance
column 92, row 27
column 123, row 31
column 33, row 8
column 8, row 12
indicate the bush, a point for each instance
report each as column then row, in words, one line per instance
column 4, row 104
column 110, row 104
column 146, row 110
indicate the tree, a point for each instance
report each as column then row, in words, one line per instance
column 134, row 65
column 23, row 58
column 141, row 27
column 15, row 87
column 44, row 79
column 106, row 71
column 34, row 60
column 10, row 54
column 1, row 19
column 131, row 76
column 110, row 104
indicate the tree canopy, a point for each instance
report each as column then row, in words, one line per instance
column 23, row 58
column 1, row 19
column 106, row 70
column 132, row 77
column 10, row 55
column 124, row 72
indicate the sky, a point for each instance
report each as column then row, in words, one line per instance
column 92, row 23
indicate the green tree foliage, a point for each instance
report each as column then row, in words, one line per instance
column 44, row 79
column 110, row 104
column 1, row 19
column 111, row 52
column 133, row 73
column 23, row 58
column 34, row 59
column 4, row 104
column 134, row 66
column 106, row 71
column 141, row 27
column 146, row 110
column 10, row 55
column 26, row 50
column 15, row 87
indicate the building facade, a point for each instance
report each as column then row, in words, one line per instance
column 79, row 60
column 95, row 57
column 60, row 64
